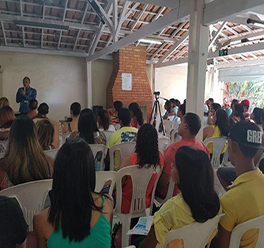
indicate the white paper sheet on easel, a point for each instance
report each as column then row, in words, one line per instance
column 126, row 81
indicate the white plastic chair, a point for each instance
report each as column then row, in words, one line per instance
column 164, row 142
column 65, row 136
column 102, row 177
column 195, row 235
column 140, row 181
column 117, row 126
column 52, row 153
column 99, row 148
column 262, row 157
column 239, row 230
column 2, row 148
column 175, row 137
column 159, row 201
column 30, row 196
column 108, row 134
column 218, row 144
column 169, row 125
column 226, row 162
column 124, row 149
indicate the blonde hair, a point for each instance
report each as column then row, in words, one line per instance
column 4, row 102
column 24, row 160
column 45, row 133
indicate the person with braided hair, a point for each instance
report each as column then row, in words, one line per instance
column 147, row 154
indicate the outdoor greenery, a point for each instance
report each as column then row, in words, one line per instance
column 253, row 91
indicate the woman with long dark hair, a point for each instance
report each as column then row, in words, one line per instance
column 87, row 128
column 77, row 216
column 198, row 202
column 24, row 160
column 219, row 129
column 238, row 114
column 136, row 115
column 147, row 154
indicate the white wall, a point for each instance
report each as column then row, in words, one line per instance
column 171, row 81
column 59, row 80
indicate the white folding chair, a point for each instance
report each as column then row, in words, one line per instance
column 158, row 201
column 30, row 196
column 239, row 230
column 97, row 148
column 52, row 153
column 164, row 142
column 169, row 125
column 123, row 149
column 102, row 177
column 218, row 144
column 195, row 235
column 140, row 181
column 175, row 137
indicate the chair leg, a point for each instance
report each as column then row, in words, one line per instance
column 125, row 228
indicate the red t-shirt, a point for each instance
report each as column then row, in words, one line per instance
column 169, row 156
column 127, row 187
column 134, row 123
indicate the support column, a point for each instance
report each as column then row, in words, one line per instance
column 89, row 85
column 197, row 58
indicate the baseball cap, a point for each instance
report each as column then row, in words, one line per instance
column 245, row 102
column 247, row 134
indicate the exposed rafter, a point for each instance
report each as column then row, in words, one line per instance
column 3, row 30
column 166, row 3
column 219, row 31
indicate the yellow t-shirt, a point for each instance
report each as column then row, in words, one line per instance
column 174, row 214
column 244, row 201
column 216, row 133
column 123, row 135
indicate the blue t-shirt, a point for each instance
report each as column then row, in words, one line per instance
column 24, row 100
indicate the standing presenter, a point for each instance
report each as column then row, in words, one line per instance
column 24, row 95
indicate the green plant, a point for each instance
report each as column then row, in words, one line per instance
column 253, row 91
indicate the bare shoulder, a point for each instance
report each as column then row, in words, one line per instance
column 41, row 225
column 41, row 218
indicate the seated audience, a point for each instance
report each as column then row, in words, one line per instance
column 7, row 117
column 256, row 116
column 13, row 228
column 4, row 102
column 233, row 103
column 136, row 115
column 237, row 115
column 198, row 202
column 43, row 111
column 169, row 114
column 77, row 217
column 125, row 134
column 244, row 199
column 72, row 126
column 245, row 103
column 103, row 120
column 219, row 129
column 113, row 112
column 45, row 134
column 33, row 105
column 182, row 111
column 24, row 160
column 188, row 129
column 146, row 154
column 87, row 129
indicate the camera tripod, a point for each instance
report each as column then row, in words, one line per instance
column 155, row 111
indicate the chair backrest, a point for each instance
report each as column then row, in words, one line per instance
column 262, row 157
column 140, row 180
column 164, row 142
column 117, row 126
column 226, row 162
column 169, row 125
column 175, row 137
column 239, row 230
column 102, row 177
column 97, row 148
column 2, row 147
column 108, row 134
column 124, row 149
column 52, row 153
column 194, row 235
column 30, row 196
column 218, row 144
